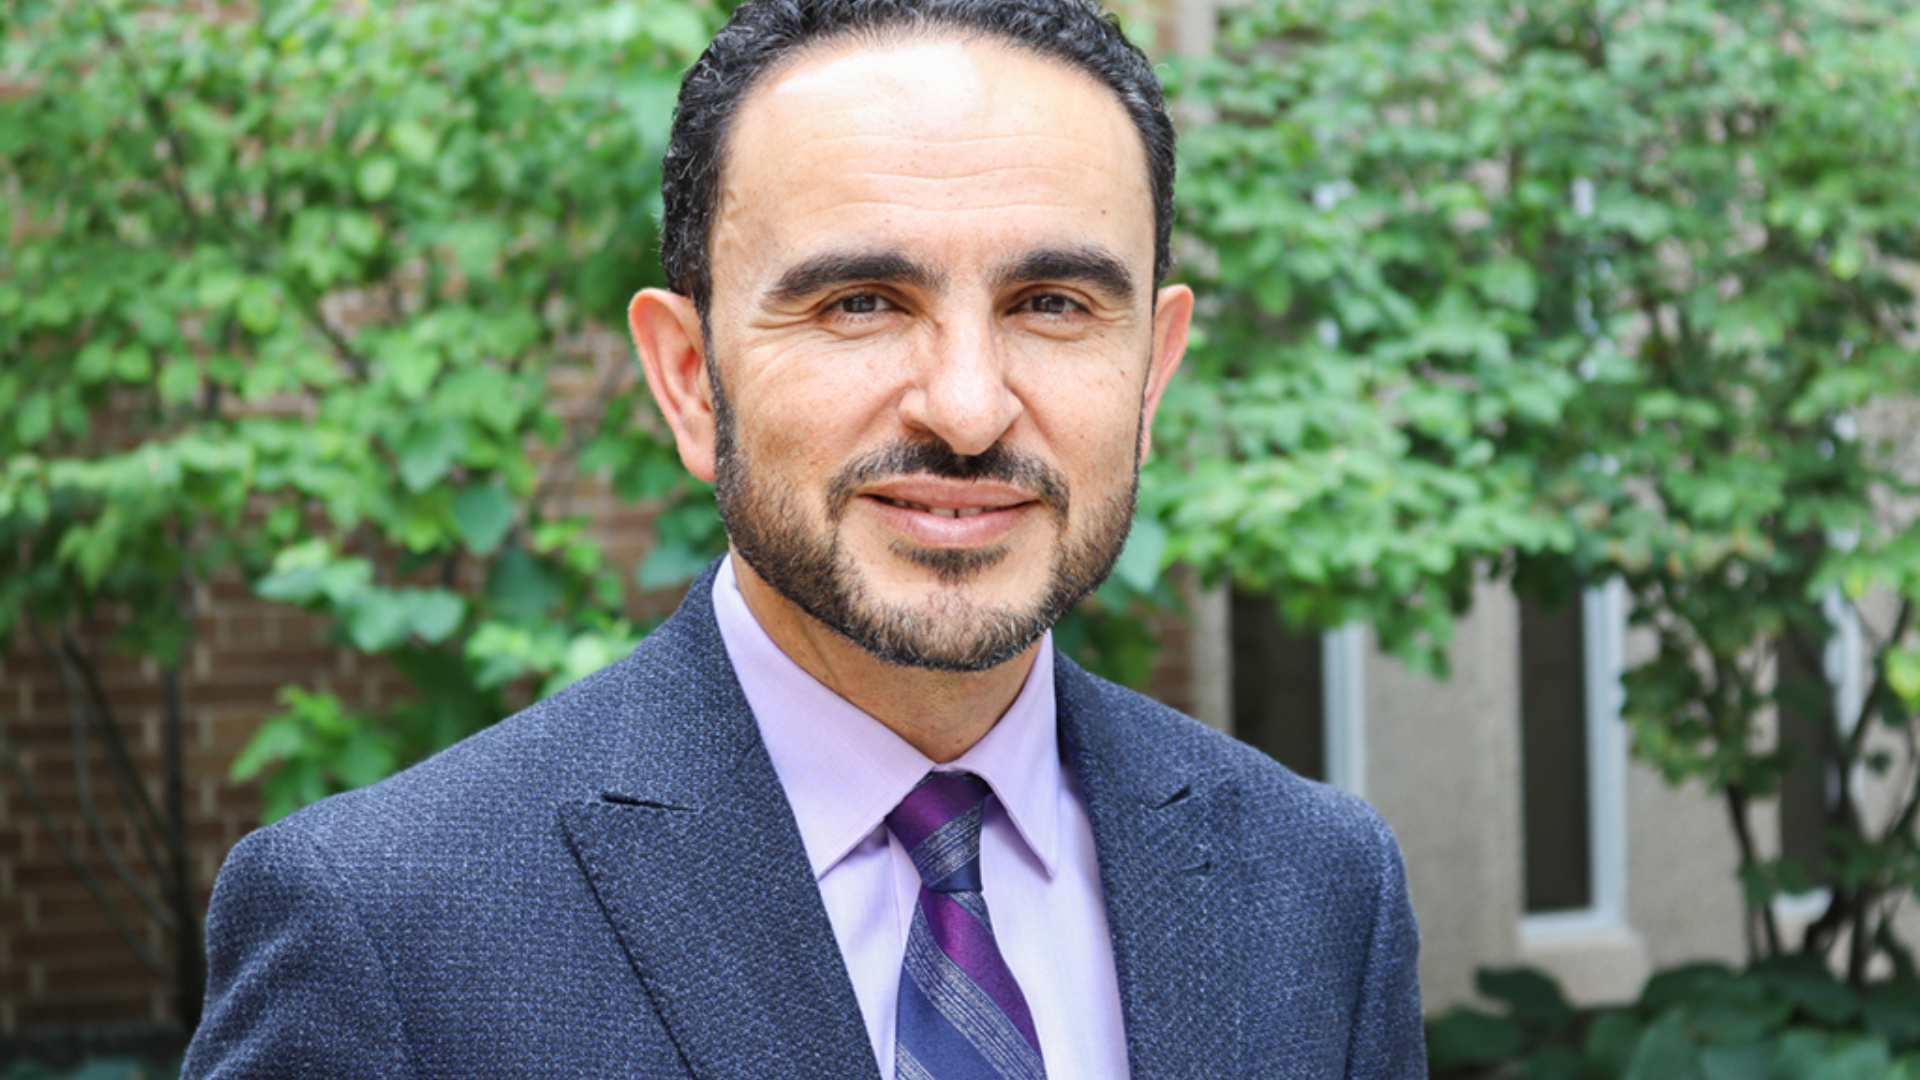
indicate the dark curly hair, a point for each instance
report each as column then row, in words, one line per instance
column 762, row 34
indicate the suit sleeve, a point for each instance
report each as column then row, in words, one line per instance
column 296, row 988
column 1388, row 1038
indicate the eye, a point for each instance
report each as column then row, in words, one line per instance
column 860, row 304
column 1050, row 304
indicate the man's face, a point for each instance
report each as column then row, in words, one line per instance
column 933, row 328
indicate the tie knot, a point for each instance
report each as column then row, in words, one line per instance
column 939, row 823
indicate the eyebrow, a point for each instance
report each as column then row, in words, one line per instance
column 1090, row 265
column 823, row 272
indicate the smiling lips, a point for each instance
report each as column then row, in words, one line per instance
column 948, row 513
column 943, row 511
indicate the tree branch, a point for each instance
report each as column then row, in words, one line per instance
column 1743, row 837
column 1901, row 624
column 157, row 116
column 83, row 787
column 11, row 759
column 148, row 824
column 310, row 310
column 189, row 959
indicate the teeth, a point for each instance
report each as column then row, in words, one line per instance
column 941, row 511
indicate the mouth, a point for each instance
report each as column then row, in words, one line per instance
column 933, row 514
column 955, row 512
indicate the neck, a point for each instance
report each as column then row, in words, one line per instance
column 942, row 714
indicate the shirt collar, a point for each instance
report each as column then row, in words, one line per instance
column 844, row 771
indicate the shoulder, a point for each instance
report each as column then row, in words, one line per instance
column 1338, row 833
column 669, row 709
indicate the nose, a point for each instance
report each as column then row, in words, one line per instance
column 961, row 394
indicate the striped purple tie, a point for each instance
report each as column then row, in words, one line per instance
column 962, row 1016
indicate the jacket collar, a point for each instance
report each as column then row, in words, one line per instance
column 1165, row 825
column 695, row 859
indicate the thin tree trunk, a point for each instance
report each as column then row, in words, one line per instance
column 190, row 978
column 1763, row 932
column 10, row 758
column 1860, row 946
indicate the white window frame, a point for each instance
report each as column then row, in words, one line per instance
column 1603, row 625
column 1343, row 706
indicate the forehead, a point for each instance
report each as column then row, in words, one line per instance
column 971, row 144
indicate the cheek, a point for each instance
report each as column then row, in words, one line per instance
column 805, row 419
column 1089, row 417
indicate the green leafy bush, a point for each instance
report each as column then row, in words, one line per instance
column 104, row 1068
column 306, row 296
column 1787, row 1018
column 1570, row 291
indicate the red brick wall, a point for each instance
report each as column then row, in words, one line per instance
column 61, row 962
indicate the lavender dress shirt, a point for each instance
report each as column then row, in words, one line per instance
column 843, row 771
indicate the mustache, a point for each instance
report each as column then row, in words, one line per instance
column 932, row 457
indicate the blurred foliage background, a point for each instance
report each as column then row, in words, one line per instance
column 306, row 295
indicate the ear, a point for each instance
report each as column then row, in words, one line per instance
column 666, row 334
column 1172, row 315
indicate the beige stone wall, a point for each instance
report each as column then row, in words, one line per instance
column 1444, row 769
column 1442, row 763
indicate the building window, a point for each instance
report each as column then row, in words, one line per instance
column 1573, row 762
column 1553, row 757
column 1298, row 697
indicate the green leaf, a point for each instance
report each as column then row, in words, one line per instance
column 1683, row 984
column 34, row 419
column 220, row 288
column 1813, row 989
column 412, row 368
column 1665, row 1053
column 179, row 381
column 1554, row 1063
column 1610, row 1042
column 299, row 585
column 435, row 613
column 485, row 514
column 1534, row 999
column 1737, row 1061
column 133, row 364
column 1142, row 558
column 379, row 621
column 258, row 308
column 272, row 742
column 1465, row 1038
column 1809, row 1055
column 1510, row 283
column 1903, row 674
column 520, row 586
column 376, row 176
column 103, row 1068
column 1893, row 1013
column 344, row 583
column 415, row 142
column 357, row 232
column 679, row 27
column 366, row 758
column 427, row 452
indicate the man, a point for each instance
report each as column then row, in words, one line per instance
column 846, row 814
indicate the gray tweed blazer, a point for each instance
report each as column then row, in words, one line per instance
column 611, row 884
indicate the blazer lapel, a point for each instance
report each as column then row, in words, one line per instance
column 1163, row 829
column 694, row 856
